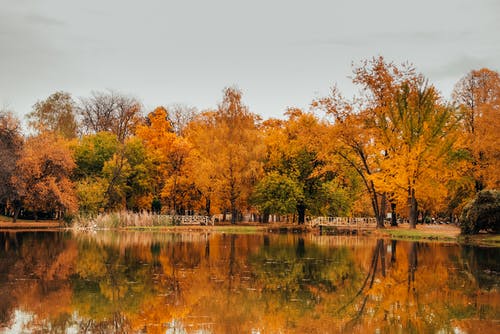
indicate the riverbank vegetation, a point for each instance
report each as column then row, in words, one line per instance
column 399, row 148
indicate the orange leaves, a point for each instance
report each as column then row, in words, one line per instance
column 478, row 97
column 229, row 149
column 158, row 135
column 399, row 136
column 171, row 156
column 43, row 174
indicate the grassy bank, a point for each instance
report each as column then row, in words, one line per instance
column 415, row 235
column 7, row 223
column 200, row 228
column 151, row 222
column 439, row 233
column 490, row 240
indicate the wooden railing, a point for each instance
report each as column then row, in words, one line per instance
column 343, row 221
column 190, row 220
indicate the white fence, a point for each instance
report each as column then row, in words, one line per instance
column 343, row 221
column 189, row 220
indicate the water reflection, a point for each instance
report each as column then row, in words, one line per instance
column 227, row 283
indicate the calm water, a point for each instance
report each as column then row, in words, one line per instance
column 225, row 283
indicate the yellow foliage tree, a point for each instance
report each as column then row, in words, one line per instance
column 170, row 154
column 230, row 149
column 399, row 138
column 477, row 96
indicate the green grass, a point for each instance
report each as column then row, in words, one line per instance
column 6, row 219
column 492, row 240
column 220, row 229
column 417, row 235
column 237, row 229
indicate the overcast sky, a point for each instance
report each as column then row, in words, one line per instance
column 280, row 53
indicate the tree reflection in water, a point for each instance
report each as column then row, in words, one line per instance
column 227, row 283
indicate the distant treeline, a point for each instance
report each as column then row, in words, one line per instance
column 399, row 147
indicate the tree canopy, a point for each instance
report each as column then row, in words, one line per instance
column 399, row 145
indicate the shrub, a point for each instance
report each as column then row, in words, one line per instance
column 69, row 219
column 482, row 213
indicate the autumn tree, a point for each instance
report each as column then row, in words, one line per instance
column 296, row 169
column 180, row 116
column 477, row 95
column 202, row 133
column 415, row 133
column 400, row 136
column 179, row 190
column 169, row 154
column 352, row 139
column 42, row 176
column 110, row 111
column 229, row 144
column 55, row 114
column 11, row 143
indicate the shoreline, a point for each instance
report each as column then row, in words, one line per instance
column 424, row 233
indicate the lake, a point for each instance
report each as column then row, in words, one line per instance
column 155, row 282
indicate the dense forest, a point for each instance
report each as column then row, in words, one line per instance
column 398, row 147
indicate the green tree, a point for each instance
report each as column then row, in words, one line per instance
column 92, row 151
column 293, row 154
column 122, row 169
column 278, row 194
column 482, row 213
column 91, row 194
column 128, row 177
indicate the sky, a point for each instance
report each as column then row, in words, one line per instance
column 279, row 53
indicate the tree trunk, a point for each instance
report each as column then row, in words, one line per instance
column 394, row 221
column 375, row 205
column 301, row 211
column 207, row 205
column 17, row 210
column 234, row 213
column 413, row 208
column 265, row 217
column 383, row 204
